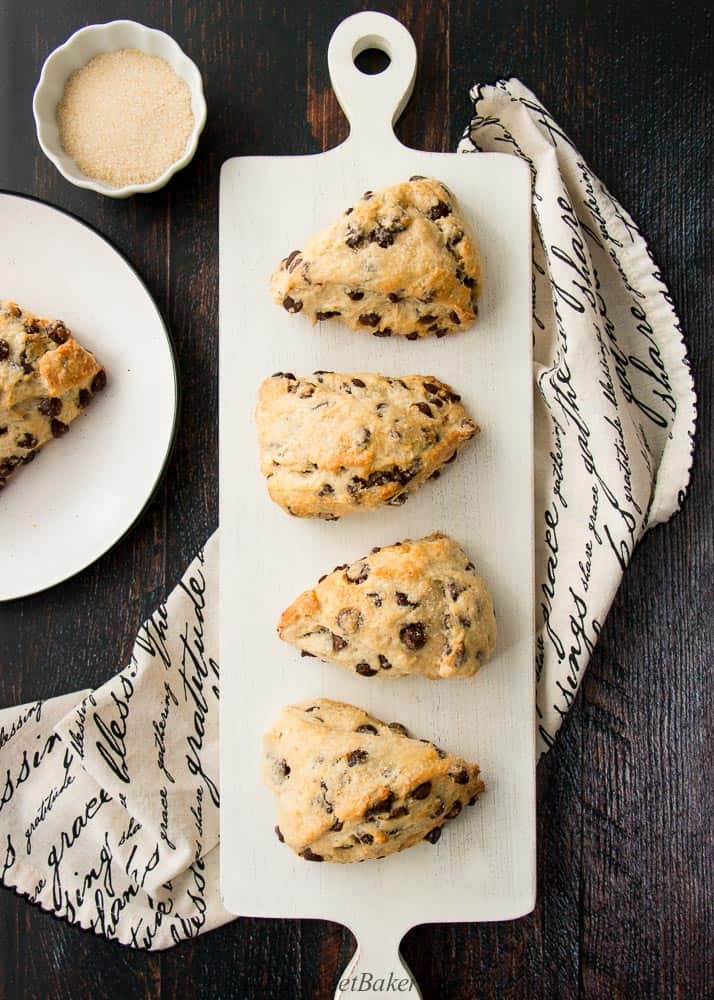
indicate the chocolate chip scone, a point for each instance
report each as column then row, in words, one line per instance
column 46, row 380
column 350, row 787
column 410, row 608
column 386, row 437
column 400, row 261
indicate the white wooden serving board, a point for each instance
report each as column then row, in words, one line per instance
column 484, row 865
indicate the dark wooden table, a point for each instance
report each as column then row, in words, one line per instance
column 626, row 865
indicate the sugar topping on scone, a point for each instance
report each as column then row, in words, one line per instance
column 350, row 787
column 387, row 436
column 417, row 607
column 46, row 380
column 400, row 261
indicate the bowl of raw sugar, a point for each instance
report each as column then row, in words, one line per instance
column 119, row 108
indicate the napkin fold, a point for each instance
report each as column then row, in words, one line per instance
column 109, row 799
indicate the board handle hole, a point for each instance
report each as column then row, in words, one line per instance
column 372, row 61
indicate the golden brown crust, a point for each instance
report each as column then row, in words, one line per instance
column 410, row 608
column 350, row 787
column 46, row 379
column 399, row 262
column 387, row 436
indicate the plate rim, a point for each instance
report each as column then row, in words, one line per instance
column 176, row 384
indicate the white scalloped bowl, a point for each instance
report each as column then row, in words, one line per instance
column 75, row 53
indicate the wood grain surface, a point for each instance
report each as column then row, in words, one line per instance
column 626, row 859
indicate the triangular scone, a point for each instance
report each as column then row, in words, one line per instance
column 332, row 443
column 46, row 380
column 410, row 608
column 399, row 262
column 349, row 787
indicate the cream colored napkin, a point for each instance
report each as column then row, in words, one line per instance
column 109, row 799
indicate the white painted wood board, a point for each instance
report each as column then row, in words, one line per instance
column 483, row 868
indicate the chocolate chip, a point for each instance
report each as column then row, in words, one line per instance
column 433, row 835
column 382, row 236
column 468, row 281
column 359, row 383
column 367, row 727
column 282, row 768
column 402, row 599
column 412, row 336
column 52, row 406
column 413, row 635
column 454, row 317
column 83, row 400
column 455, row 810
column 439, row 332
column 8, row 464
column 328, row 314
column 338, row 643
column 27, row 441
column 394, row 297
column 364, row 669
column 428, row 318
column 356, row 757
column 3, row 431
column 437, row 810
column 456, row 238
column 292, row 260
column 383, row 806
column 355, row 295
column 354, row 238
column 397, row 727
column 472, row 800
column 304, row 652
column 310, row 855
column 336, row 826
column 384, row 332
column 470, row 567
column 358, row 572
column 58, row 332
column 350, row 620
column 376, row 598
column 99, row 381
column 399, row 812
column 425, row 409
column 438, row 211
column 279, row 835
column 384, row 662
column 421, row 791
column 4, row 350
column 461, row 777
column 417, row 177
column 369, row 319
column 58, row 428
column 292, row 305
column 326, row 490
column 367, row 195
column 465, row 621
column 454, row 590
column 365, row 838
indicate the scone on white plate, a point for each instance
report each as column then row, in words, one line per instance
column 398, row 262
column 332, row 443
column 417, row 607
column 46, row 380
column 349, row 787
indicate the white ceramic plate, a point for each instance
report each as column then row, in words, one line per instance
column 84, row 492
